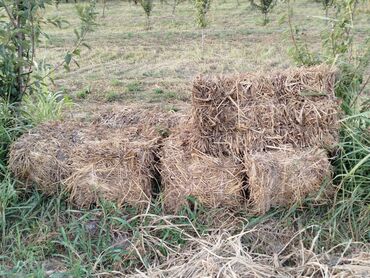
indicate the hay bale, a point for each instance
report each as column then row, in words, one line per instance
column 259, row 111
column 150, row 119
column 42, row 156
column 283, row 177
column 214, row 182
column 119, row 169
column 88, row 161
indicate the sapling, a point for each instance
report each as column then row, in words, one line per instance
column 326, row 5
column 20, row 33
column 104, row 6
column 175, row 3
column 265, row 6
column 202, row 8
column 147, row 7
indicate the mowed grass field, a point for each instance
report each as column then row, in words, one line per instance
column 129, row 63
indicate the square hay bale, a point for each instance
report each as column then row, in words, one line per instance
column 283, row 177
column 151, row 119
column 119, row 169
column 262, row 111
column 42, row 157
column 214, row 182
column 88, row 161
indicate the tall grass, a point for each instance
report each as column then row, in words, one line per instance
column 350, row 214
column 43, row 106
column 347, row 217
column 20, row 212
column 11, row 127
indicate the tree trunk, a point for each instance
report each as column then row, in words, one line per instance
column 148, row 22
column 20, row 19
column 104, row 6
column 174, row 7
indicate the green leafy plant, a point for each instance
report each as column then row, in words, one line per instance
column 134, row 86
column 112, row 96
column 326, row 5
column 11, row 127
column 84, row 92
column 20, row 33
column 158, row 91
column 43, row 106
column 265, row 6
column 21, row 77
column 147, row 6
column 202, row 8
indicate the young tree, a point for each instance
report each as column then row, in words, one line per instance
column 147, row 7
column 265, row 6
column 326, row 5
column 175, row 3
column 202, row 8
column 20, row 32
column 104, row 6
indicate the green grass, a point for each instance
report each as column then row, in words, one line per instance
column 46, row 236
column 112, row 96
column 170, row 54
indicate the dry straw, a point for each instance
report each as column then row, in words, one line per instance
column 148, row 119
column 42, row 156
column 266, row 250
column 214, row 182
column 284, row 177
column 89, row 161
column 261, row 111
column 235, row 119
column 119, row 168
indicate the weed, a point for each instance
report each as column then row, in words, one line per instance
column 43, row 106
column 84, row 93
column 159, row 96
column 133, row 87
column 158, row 91
column 112, row 96
column 115, row 82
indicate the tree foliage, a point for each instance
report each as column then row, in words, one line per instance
column 147, row 7
column 265, row 6
column 202, row 8
column 21, row 24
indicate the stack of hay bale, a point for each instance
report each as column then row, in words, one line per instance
column 256, row 137
column 253, row 140
column 114, row 157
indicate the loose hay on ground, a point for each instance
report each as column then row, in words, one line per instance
column 214, row 182
column 283, row 177
column 280, row 253
column 259, row 111
column 88, row 161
